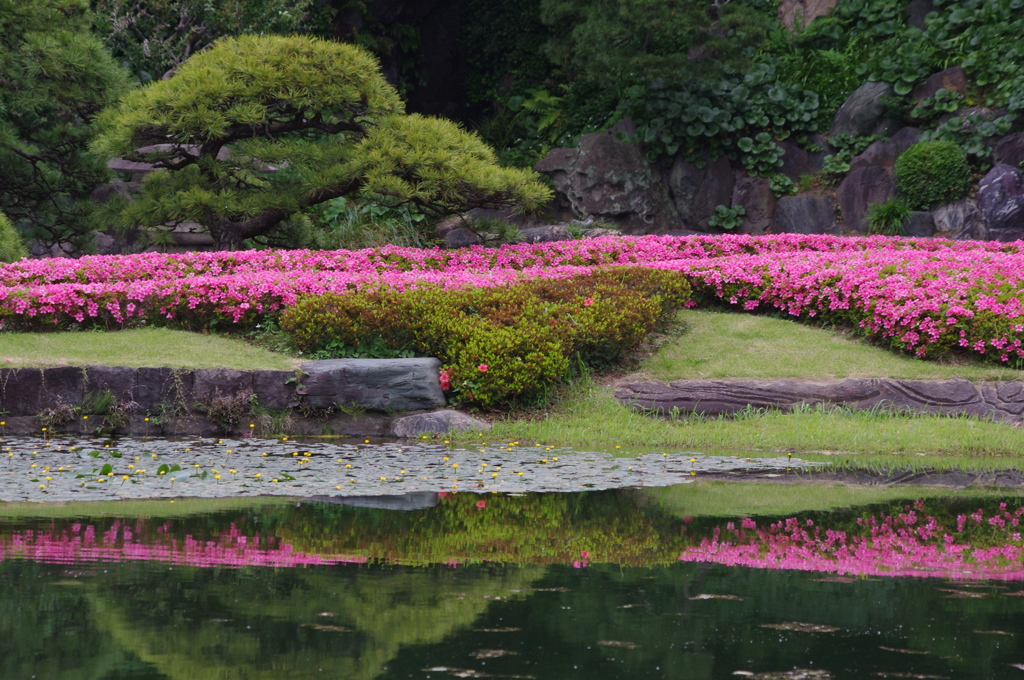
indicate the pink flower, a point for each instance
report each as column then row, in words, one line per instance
column 445, row 379
column 481, row 504
column 588, row 302
column 482, row 368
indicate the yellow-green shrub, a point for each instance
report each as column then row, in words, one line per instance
column 12, row 248
column 500, row 345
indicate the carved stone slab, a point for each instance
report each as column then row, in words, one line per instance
column 996, row 400
column 374, row 384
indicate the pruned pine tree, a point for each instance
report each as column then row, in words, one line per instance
column 258, row 128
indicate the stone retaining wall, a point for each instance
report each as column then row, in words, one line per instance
column 355, row 397
column 1003, row 401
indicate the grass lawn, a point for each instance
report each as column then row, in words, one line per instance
column 153, row 347
column 719, row 344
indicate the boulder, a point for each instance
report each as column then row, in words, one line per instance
column 208, row 383
column 916, row 12
column 20, row 391
column 795, row 161
column 796, row 14
column 448, row 224
column 862, row 112
column 1001, row 201
column 609, row 179
column 374, row 384
column 919, row 224
column 861, row 189
column 963, row 219
column 805, row 215
column 756, row 196
column 597, row 232
column 881, row 154
column 817, row 157
column 274, row 389
column 696, row 192
column 437, row 422
column 953, row 79
column 546, row 234
column 461, row 237
column 1010, row 150
column 904, row 138
column 107, row 192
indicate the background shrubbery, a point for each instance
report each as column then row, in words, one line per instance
column 931, row 173
column 499, row 345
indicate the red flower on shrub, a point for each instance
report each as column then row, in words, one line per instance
column 588, row 302
column 482, row 368
column 445, row 379
column 481, row 504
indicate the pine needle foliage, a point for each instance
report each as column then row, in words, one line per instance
column 258, row 128
column 56, row 77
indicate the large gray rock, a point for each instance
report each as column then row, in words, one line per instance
column 905, row 137
column 20, row 391
column 963, row 219
column 696, row 192
column 861, row 189
column 437, row 422
column 862, row 112
column 817, row 156
column 953, row 79
column 805, row 215
column 118, row 380
column 609, row 179
column 919, row 224
column 795, row 161
column 1001, row 201
column 1010, row 150
column 881, row 154
column 796, row 14
column 546, row 234
column 461, row 237
column 374, row 384
column 756, row 196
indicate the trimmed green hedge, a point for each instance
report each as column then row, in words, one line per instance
column 930, row 173
column 500, row 345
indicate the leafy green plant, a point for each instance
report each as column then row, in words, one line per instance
column 740, row 115
column 226, row 410
column 887, row 218
column 375, row 349
column 930, row 173
column 781, row 185
column 974, row 133
column 12, row 247
column 727, row 218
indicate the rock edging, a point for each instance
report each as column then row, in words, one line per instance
column 999, row 401
column 354, row 397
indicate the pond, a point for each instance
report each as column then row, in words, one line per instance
column 619, row 583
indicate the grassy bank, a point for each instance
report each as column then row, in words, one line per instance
column 719, row 345
column 137, row 347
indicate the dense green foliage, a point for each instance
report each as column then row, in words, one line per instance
column 930, row 173
column 887, row 218
column 154, row 37
column 499, row 345
column 256, row 129
column 12, row 248
column 56, row 77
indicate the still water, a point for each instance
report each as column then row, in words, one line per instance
column 601, row 584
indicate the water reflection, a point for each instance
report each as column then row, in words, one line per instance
column 535, row 586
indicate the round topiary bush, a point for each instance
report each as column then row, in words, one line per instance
column 932, row 172
column 12, row 248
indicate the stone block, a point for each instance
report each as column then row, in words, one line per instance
column 545, row 234
column 1001, row 201
column 207, row 382
column 1010, row 150
column 21, row 390
column 157, row 386
column 919, row 224
column 273, row 389
column 953, row 79
column 374, row 384
column 696, row 192
column 118, row 380
column 62, row 385
column 437, row 422
column 756, row 196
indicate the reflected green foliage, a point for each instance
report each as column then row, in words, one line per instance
column 605, row 621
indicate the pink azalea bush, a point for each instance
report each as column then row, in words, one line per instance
column 922, row 296
column 908, row 543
